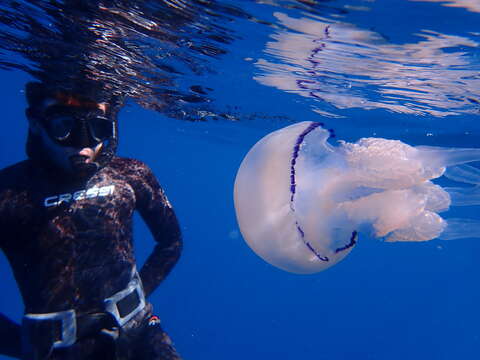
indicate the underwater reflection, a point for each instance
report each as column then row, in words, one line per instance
column 139, row 49
column 471, row 5
column 350, row 67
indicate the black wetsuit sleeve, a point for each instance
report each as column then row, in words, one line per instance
column 10, row 338
column 160, row 218
column 10, row 334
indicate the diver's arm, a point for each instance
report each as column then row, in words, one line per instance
column 10, row 333
column 10, row 338
column 160, row 218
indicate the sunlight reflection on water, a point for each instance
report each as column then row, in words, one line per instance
column 350, row 67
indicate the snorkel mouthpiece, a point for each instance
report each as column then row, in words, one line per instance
column 79, row 164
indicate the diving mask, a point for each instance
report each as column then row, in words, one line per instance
column 77, row 127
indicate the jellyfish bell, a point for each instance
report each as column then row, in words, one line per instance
column 301, row 202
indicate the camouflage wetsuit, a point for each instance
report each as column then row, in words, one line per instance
column 69, row 243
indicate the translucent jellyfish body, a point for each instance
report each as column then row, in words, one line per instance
column 301, row 202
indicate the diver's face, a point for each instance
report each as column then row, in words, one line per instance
column 72, row 135
column 69, row 158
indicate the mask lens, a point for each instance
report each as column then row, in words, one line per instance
column 101, row 128
column 60, row 127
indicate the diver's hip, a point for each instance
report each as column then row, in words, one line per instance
column 43, row 333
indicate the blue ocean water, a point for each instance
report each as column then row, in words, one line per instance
column 407, row 70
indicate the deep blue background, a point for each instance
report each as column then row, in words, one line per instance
column 384, row 301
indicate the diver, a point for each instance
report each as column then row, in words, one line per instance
column 66, row 220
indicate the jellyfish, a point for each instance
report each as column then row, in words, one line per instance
column 302, row 202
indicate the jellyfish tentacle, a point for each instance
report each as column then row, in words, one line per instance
column 464, row 196
column 437, row 156
column 463, row 173
column 460, row 229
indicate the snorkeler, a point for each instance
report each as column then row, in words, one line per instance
column 66, row 220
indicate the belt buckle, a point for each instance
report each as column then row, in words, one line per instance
column 68, row 323
column 111, row 303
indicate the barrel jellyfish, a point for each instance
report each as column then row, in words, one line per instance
column 301, row 202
